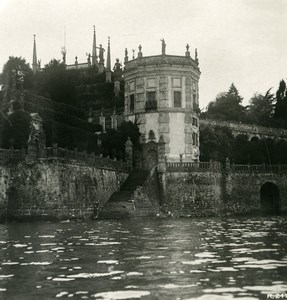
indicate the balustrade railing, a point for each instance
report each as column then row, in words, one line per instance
column 12, row 155
column 61, row 154
column 259, row 168
column 199, row 166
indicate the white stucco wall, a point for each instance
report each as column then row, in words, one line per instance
column 152, row 124
column 177, row 142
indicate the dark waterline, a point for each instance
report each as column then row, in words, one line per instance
column 235, row 258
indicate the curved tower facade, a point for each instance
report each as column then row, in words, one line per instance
column 161, row 94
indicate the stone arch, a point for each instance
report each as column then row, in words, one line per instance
column 270, row 198
column 254, row 138
column 150, row 155
column 152, row 158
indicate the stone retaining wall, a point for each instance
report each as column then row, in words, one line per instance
column 53, row 189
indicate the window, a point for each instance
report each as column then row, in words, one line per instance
column 194, row 121
column 150, row 96
column 195, row 139
column 132, row 103
column 151, row 103
column 177, row 98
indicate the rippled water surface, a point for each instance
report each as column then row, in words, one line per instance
column 238, row 258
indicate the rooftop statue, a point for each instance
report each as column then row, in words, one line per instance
column 163, row 46
column 118, row 69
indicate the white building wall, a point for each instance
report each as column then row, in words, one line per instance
column 177, row 135
column 152, row 124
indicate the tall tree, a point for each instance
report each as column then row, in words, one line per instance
column 16, row 74
column 227, row 106
column 261, row 109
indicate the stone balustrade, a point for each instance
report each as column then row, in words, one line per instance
column 250, row 129
column 62, row 154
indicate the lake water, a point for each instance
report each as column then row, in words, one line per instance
column 231, row 258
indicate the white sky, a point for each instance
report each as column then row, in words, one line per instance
column 240, row 41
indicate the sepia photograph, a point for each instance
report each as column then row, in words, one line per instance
column 143, row 149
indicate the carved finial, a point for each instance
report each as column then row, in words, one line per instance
column 94, row 28
column 163, row 46
column 126, row 55
column 140, row 51
column 133, row 53
column 109, row 40
column 196, row 56
column 34, row 36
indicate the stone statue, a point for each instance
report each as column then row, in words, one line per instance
column 36, row 136
column 101, row 54
column 187, row 53
column 89, row 58
column 163, row 46
column 117, row 69
column 140, row 48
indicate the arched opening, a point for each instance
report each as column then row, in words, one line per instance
column 151, row 159
column 270, row 198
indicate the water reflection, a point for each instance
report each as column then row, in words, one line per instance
column 242, row 258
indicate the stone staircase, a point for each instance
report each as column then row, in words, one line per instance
column 130, row 200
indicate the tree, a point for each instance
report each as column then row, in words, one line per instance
column 227, row 106
column 16, row 74
column 215, row 143
column 261, row 109
column 16, row 130
column 113, row 141
column 57, row 83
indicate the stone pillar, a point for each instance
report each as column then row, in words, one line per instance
column 102, row 121
column 32, row 150
column 227, row 164
column 117, row 87
column 129, row 153
column 114, row 120
column 55, row 151
column 108, row 76
column 161, row 169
